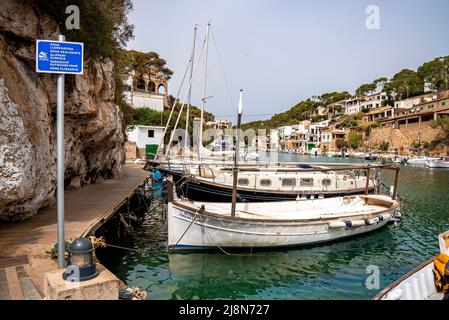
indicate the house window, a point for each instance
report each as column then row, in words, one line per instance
column 243, row 182
column 150, row 133
column 288, row 182
column 443, row 103
column 265, row 183
column 306, row 182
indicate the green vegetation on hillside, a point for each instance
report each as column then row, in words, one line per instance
column 141, row 63
column 104, row 30
column 370, row 88
column 404, row 84
column 104, row 26
column 301, row 111
column 443, row 124
column 435, row 72
column 354, row 140
column 148, row 117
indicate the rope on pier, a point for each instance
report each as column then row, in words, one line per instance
column 100, row 242
column 132, row 293
column 128, row 227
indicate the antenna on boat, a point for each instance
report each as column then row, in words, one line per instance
column 203, row 95
column 192, row 59
column 236, row 156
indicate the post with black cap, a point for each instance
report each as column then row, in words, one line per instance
column 80, row 263
column 236, row 155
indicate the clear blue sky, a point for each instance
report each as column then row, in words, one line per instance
column 281, row 52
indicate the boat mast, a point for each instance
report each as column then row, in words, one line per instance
column 236, row 156
column 162, row 142
column 203, row 95
column 192, row 60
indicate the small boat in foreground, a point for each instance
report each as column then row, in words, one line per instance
column 210, row 225
column 443, row 163
column 419, row 283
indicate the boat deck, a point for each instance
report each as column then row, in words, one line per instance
column 308, row 209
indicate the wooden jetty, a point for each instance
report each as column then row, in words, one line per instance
column 23, row 246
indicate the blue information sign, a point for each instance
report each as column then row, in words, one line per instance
column 59, row 57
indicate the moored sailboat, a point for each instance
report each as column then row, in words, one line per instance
column 272, row 184
column 443, row 163
column 206, row 225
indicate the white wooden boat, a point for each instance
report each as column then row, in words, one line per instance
column 443, row 163
column 209, row 225
column 359, row 155
column 418, row 284
column 331, row 154
column 420, row 161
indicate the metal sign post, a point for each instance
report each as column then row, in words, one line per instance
column 59, row 57
column 60, row 164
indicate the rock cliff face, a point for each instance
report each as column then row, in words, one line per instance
column 94, row 141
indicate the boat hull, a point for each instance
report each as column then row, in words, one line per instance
column 418, row 162
column 418, row 284
column 191, row 231
column 435, row 164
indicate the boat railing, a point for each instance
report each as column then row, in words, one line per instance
column 367, row 168
column 292, row 167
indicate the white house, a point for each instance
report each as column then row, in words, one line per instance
column 146, row 138
column 146, row 91
column 320, row 111
column 411, row 102
column 373, row 101
column 353, row 106
column 337, row 108
column 285, row 131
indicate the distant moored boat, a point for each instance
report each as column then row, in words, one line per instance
column 443, row 163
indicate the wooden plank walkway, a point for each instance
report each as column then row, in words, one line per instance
column 85, row 210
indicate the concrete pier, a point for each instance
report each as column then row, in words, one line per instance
column 23, row 260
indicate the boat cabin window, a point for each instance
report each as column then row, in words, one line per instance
column 243, row 182
column 265, row 183
column 326, row 182
column 306, row 182
column 288, row 182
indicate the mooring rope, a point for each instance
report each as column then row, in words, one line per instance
column 216, row 243
column 200, row 210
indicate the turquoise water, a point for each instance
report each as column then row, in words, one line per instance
column 330, row 271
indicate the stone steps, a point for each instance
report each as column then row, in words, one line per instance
column 16, row 284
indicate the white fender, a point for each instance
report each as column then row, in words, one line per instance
column 359, row 223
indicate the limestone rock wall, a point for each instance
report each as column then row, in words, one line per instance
column 94, row 141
